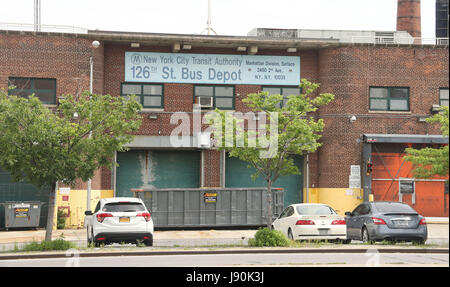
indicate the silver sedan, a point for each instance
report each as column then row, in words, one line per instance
column 383, row 220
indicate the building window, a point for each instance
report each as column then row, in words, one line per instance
column 284, row 91
column 221, row 97
column 443, row 97
column 149, row 95
column 389, row 99
column 44, row 89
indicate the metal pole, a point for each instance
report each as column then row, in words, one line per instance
column 307, row 178
column 37, row 15
column 209, row 17
column 91, row 80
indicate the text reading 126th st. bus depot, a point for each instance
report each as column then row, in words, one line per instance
column 211, row 69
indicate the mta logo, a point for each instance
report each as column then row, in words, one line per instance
column 136, row 59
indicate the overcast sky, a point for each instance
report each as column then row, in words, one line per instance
column 229, row 17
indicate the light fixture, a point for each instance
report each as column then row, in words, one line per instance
column 352, row 119
column 95, row 44
column 135, row 45
column 241, row 49
column 253, row 50
column 176, row 47
column 291, row 50
column 153, row 116
column 187, row 47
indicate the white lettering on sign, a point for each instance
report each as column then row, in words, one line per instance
column 211, row 68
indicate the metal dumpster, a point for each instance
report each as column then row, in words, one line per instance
column 209, row 207
column 22, row 214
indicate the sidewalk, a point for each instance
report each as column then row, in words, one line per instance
column 437, row 220
column 438, row 234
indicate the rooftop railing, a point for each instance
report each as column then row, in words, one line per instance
column 379, row 38
column 386, row 40
column 42, row 28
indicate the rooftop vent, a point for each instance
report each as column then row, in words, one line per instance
column 384, row 38
column 274, row 33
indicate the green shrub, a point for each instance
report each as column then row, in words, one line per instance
column 268, row 237
column 61, row 219
column 58, row 244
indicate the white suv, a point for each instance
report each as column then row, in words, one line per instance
column 119, row 219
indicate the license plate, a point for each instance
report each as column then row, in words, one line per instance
column 402, row 223
column 124, row 219
column 323, row 231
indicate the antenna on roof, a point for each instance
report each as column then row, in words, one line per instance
column 37, row 15
column 209, row 29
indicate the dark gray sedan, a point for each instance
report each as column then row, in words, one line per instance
column 393, row 221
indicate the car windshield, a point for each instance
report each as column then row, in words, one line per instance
column 315, row 210
column 123, row 207
column 393, row 207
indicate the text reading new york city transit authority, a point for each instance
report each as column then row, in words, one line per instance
column 211, row 68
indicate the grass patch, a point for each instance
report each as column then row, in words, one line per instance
column 58, row 244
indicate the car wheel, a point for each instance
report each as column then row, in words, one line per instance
column 290, row 235
column 365, row 236
column 148, row 242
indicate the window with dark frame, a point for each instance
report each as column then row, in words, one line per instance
column 44, row 89
column 284, row 91
column 389, row 99
column 222, row 96
column 443, row 97
column 149, row 95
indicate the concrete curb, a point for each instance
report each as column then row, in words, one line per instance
column 234, row 251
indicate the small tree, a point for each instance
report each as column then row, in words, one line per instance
column 48, row 145
column 429, row 162
column 287, row 131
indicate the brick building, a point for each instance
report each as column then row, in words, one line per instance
column 385, row 84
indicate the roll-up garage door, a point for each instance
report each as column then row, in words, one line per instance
column 237, row 174
column 21, row 191
column 143, row 169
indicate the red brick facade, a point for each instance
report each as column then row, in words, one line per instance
column 346, row 71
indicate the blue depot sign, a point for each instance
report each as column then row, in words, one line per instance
column 211, row 69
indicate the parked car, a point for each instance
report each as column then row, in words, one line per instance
column 383, row 220
column 119, row 219
column 311, row 221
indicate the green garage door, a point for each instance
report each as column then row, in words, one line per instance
column 237, row 174
column 21, row 191
column 143, row 169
